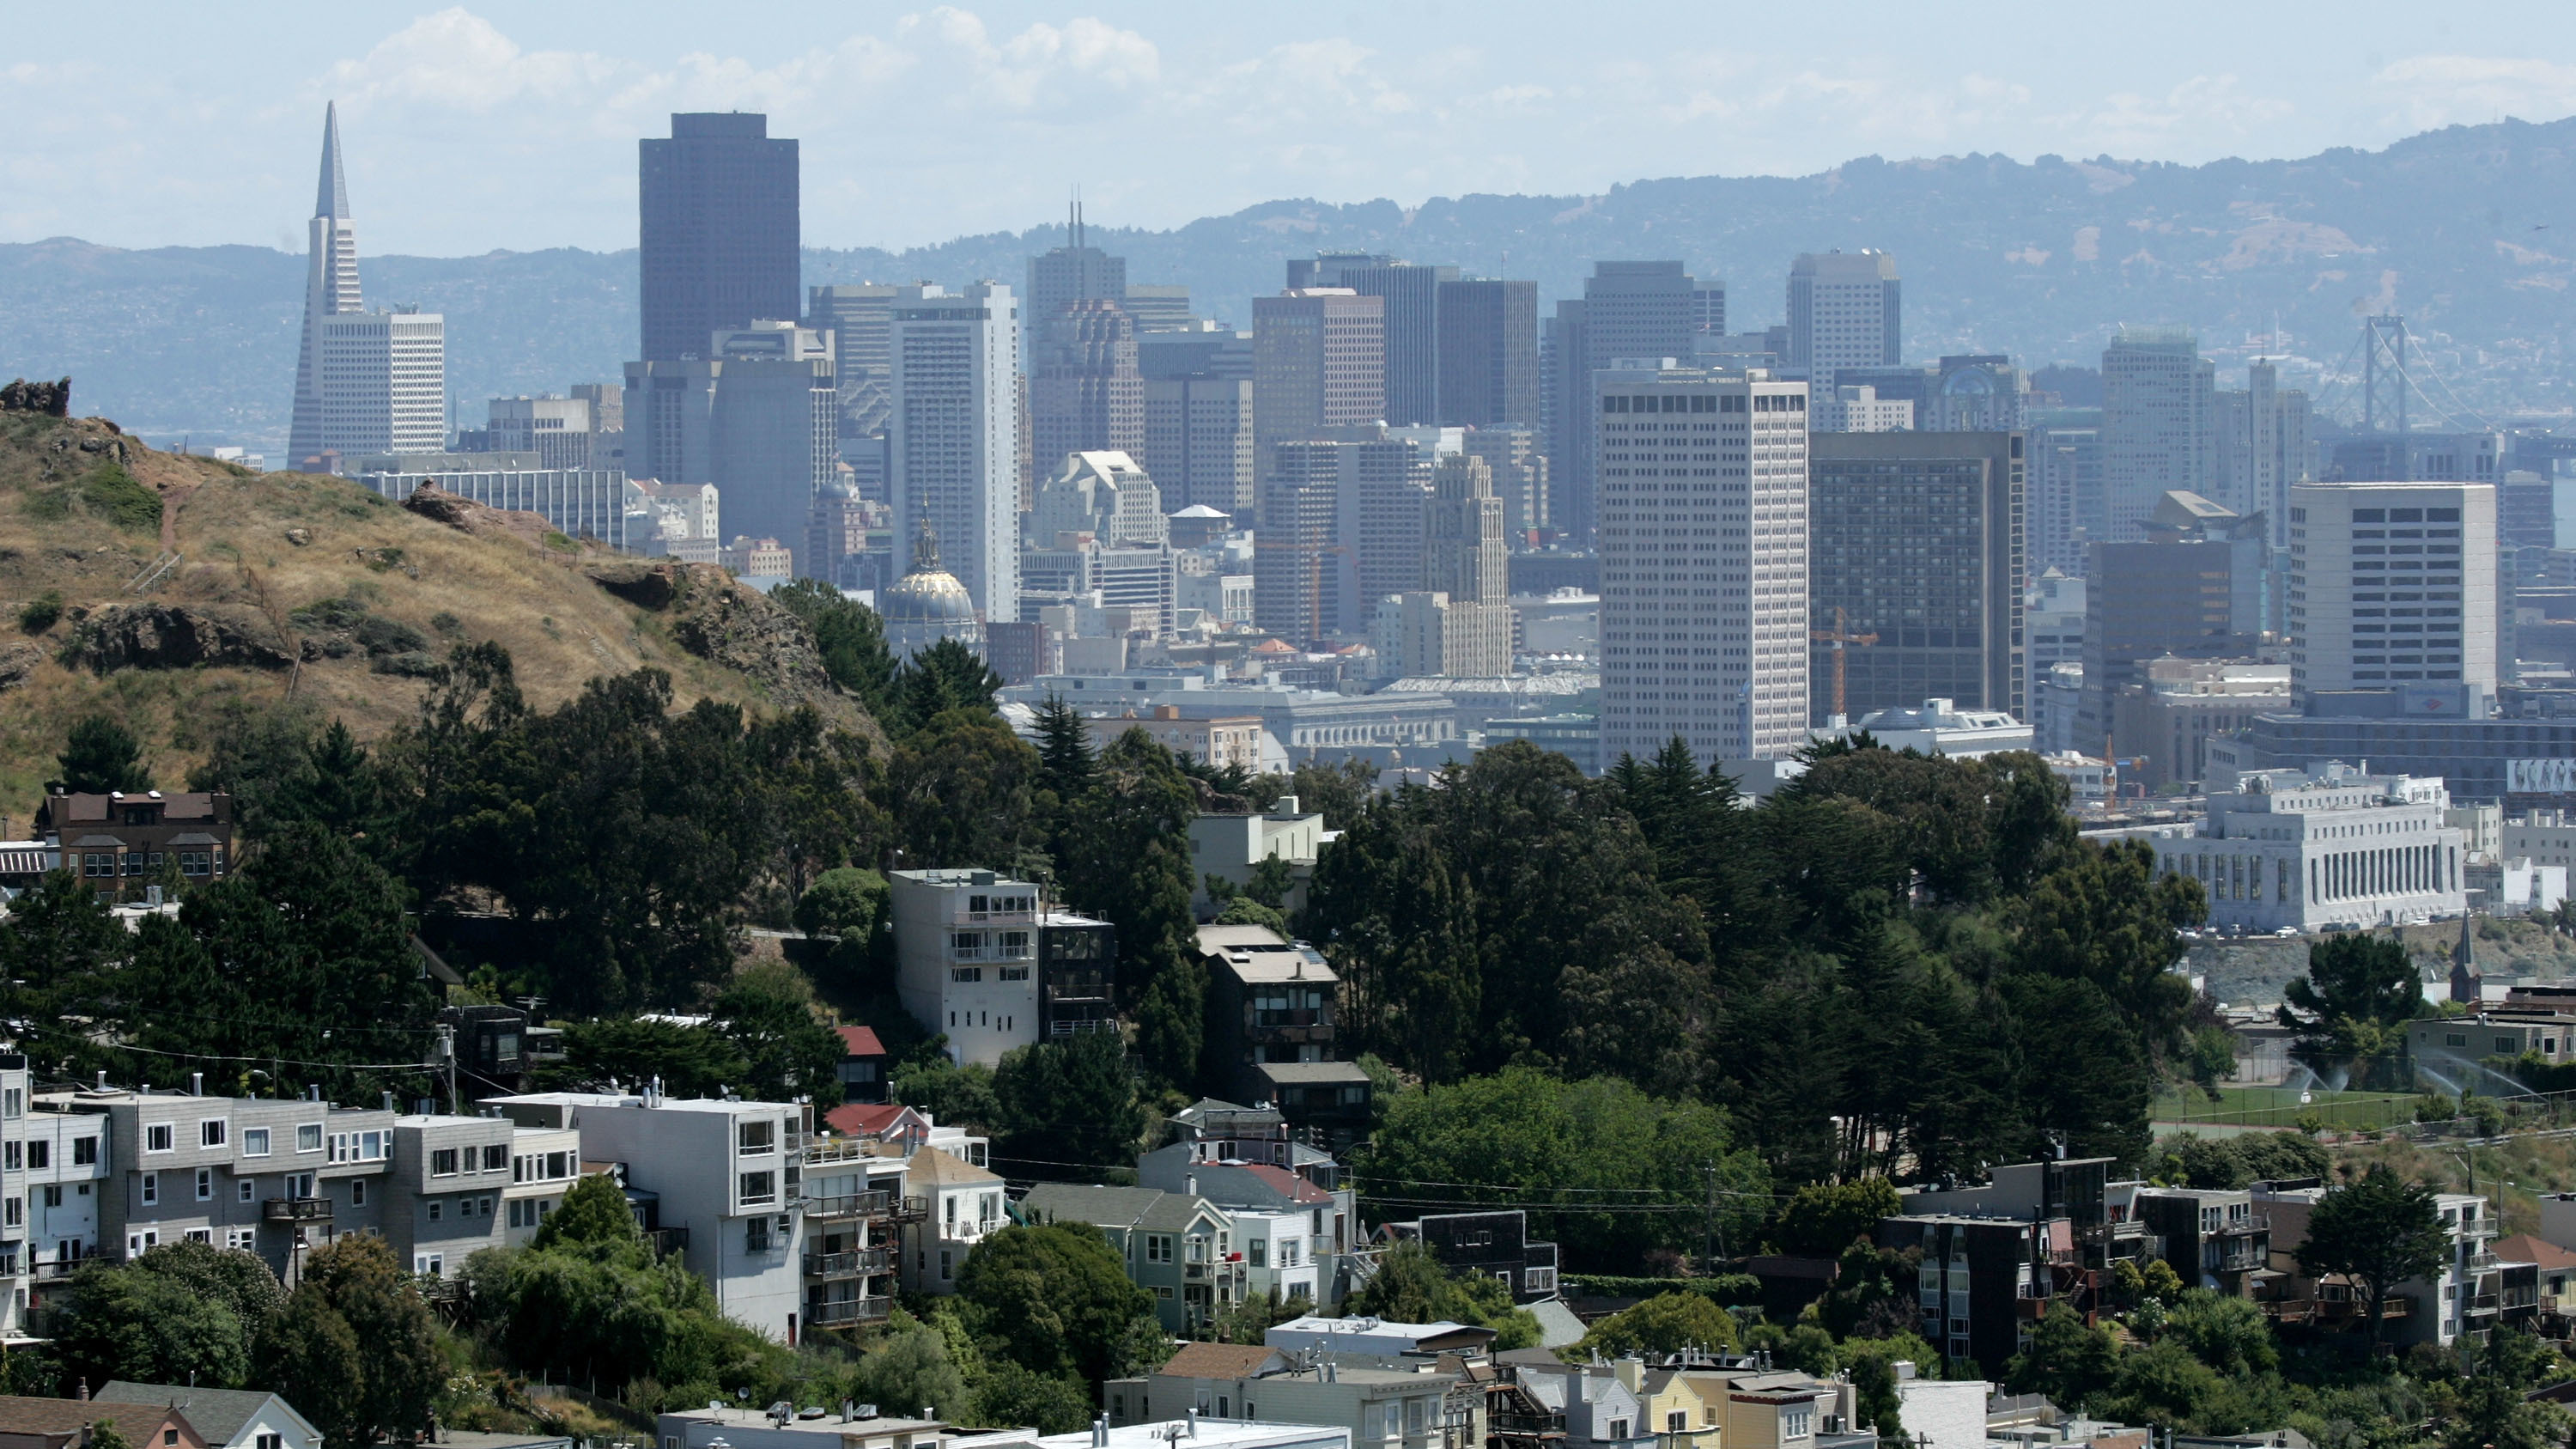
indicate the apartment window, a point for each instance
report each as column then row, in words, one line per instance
column 308, row 1137
column 212, row 1131
column 429, row 1264
column 151, row 1188
column 84, row 1152
column 54, row 1198
column 9, row 1156
column 1677, row 1422
column 13, row 1212
column 759, row 1187
column 1618, row 1428
column 947, row 1264
column 437, row 1209
column 1158, row 1247
column 358, row 1192
column 496, row 1157
column 246, row 1189
column 241, row 1240
column 755, row 1235
column 270, row 1441
column 254, row 1142
column 1256, row 1252
column 1798, row 1423
column 442, row 1162
column 13, row 1102
column 1413, row 1416
column 753, row 1138
column 157, row 1138
column 40, row 1154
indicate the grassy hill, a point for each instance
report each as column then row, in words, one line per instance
column 161, row 588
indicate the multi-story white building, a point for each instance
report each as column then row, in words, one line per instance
column 2052, row 616
column 2155, row 430
column 1846, row 309
column 954, row 434
column 986, row 962
column 963, row 1204
column 728, row 1176
column 2392, row 585
column 1703, row 543
column 561, row 431
column 583, row 502
column 1859, row 409
column 2325, row 846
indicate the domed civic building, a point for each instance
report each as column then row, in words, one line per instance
column 928, row 605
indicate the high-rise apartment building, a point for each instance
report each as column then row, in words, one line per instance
column 1703, row 544
column 2155, row 424
column 1198, row 441
column 1917, row 538
column 720, row 239
column 1488, row 360
column 1629, row 311
column 365, row 382
column 1085, row 394
column 1318, row 362
column 953, row 435
column 1845, row 310
column 2392, row 585
column 758, row 415
column 2066, row 472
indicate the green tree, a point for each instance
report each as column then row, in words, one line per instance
column 1823, row 1218
column 2070, row 1362
column 1055, row 1299
column 767, row 1012
column 180, row 1313
column 1072, row 1101
column 2490, row 1410
column 1245, row 911
column 105, row 1435
column 100, row 755
column 968, row 1096
column 594, row 1214
column 849, row 636
column 1666, row 1323
column 689, row 1061
column 1012, row 1396
column 1337, row 792
column 2228, row 1333
column 1410, row 1286
column 1127, row 860
column 2378, row 1230
column 355, row 1348
column 58, row 945
column 843, row 901
column 1522, row 1132
column 2355, row 1001
column 908, row 1370
column 958, row 792
column 946, row 676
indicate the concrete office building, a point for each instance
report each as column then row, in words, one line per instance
column 1085, row 393
column 2165, row 722
column 860, row 318
column 2066, row 471
column 1704, row 558
column 719, row 239
column 2323, row 846
column 987, row 962
column 2192, row 589
column 1411, row 319
column 365, row 382
column 1204, row 350
column 1460, row 621
column 954, row 435
column 757, row 415
column 1318, row 362
column 1628, row 311
column 1341, row 526
column 1159, row 306
column 1859, row 409
column 1103, row 494
column 2259, row 447
column 1075, row 272
column 1519, row 466
column 563, row 432
column 1846, row 309
column 1198, row 442
column 724, row 1178
column 1975, row 393
column 1917, row 538
column 1488, row 353
column 2155, row 424
column 2392, row 584
column 583, row 502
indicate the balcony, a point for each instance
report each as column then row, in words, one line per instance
column 836, row 1149
column 851, row 1205
column 296, row 1210
column 910, row 1210
column 667, row 1241
column 855, row 1263
column 848, row 1311
column 2481, row 1303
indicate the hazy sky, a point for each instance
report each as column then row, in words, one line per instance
column 513, row 126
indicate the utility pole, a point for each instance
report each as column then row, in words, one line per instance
column 1708, row 1225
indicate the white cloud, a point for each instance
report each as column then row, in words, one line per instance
column 457, row 58
column 2204, row 113
column 2426, row 91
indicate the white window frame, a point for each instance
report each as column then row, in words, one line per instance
column 214, row 1131
column 308, row 1136
column 164, row 1134
column 254, row 1142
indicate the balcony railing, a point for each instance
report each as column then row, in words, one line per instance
column 854, row 1263
column 2480, row 1303
column 296, row 1210
column 911, row 1210
column 848, row 1310
column 836, row 1149
column 667, row 1241
column 850, row 1205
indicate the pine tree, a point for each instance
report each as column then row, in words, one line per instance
column 100, row 756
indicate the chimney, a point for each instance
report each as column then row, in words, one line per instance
column 84, row 1388
column 1190, row 1185
column 389, row 1101
column 196, row 1084
column 102, row 1079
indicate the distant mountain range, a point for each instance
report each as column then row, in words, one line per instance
column 2468, row 231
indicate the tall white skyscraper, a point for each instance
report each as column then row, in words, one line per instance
column 953, row 435
column 2155, row 424
column 1845, row 310
column 1703, row 544
column 365, row 382
column 2392, row 585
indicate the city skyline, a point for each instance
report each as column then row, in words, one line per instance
column 496, row 107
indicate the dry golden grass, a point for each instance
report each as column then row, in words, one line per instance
column 231, row 530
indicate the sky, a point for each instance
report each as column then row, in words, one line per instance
column 491, row 126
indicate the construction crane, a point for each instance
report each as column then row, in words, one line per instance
column 1839, row 636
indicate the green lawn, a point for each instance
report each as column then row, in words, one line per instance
column 2281, row 1107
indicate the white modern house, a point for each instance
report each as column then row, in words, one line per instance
column 986, row 962
column 728, row 1175
column 966, row 1204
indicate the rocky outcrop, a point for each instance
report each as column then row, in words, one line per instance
column 467, row 516
column 719, row 620
column 18, row 663
column 46, row 399
column 173, row 636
